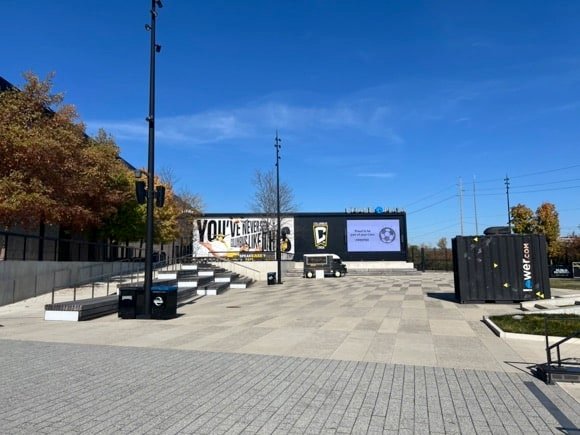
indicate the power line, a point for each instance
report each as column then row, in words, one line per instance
column 547, row 171
column 492, row 189
column 494, row 180
column 512, row 190
column 527, row 174
column 431, row 205
column 550, row 182
column 429, row 196
column 434, row 231
column 546, row 190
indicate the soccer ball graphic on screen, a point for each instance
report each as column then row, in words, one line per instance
column 387, row 235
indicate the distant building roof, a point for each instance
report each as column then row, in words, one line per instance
column 5, row 84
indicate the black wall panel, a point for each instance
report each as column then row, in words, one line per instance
column 335, row 225
column 501, row 268
column 337, row 238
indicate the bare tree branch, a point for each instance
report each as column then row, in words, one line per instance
column 264, row 199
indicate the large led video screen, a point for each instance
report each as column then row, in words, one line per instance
column 373, row 235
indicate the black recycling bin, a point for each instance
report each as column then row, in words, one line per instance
column 271, row 278
column 131, row 301
column 163, row 302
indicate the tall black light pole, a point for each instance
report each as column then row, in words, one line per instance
column 155, row 48
column 278, row 234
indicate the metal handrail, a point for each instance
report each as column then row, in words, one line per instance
column 227, row 260
column 550, row 347
column 252, row 273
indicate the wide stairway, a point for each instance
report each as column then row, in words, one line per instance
column 205, row 278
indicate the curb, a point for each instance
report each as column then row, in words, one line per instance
column 513, row 335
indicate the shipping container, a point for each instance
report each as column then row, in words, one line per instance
column 500, row 268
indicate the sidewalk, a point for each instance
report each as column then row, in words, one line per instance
column 366, row 344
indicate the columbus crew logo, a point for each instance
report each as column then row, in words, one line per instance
column 320, row 234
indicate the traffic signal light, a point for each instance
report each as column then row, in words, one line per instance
column 160, row 196
column 141, row 192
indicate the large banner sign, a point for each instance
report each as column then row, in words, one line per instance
column 373, row 235
column 241, row 237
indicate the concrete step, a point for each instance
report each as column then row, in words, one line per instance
column 183, row 275
column 569, row 302
column 213, row 288
column 194, row 281
column 209, row 271
column 167, row 275
column 85, row 309
column 225, row 276
column 241, row 282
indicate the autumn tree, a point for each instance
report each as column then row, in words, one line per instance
column 523, row 219
column 571, row 248
column 187, row 205
column 51, row 171
column 544, row 221
column 548, row 223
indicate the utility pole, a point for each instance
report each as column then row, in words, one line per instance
column 155, row 48
column 460, row 185
column 507, row 192
column 475, row 207
column 277, row 145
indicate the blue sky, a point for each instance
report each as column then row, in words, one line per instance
column 378, row 103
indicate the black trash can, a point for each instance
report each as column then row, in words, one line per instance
column 131, row 301
column 164, row 302
column 271, row 278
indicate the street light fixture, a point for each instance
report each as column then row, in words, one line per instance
column 277, row 145
column 155, row 48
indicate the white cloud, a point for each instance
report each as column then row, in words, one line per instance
column 360, row 117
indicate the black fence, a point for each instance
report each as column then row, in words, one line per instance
column 14, row 246
column 431, row 258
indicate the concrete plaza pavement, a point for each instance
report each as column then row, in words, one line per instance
column 350, row 355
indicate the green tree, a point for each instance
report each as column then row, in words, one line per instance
column 523, row 219
column 127, row 224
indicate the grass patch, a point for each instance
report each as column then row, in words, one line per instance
column 567, row 283
column 560, row 325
